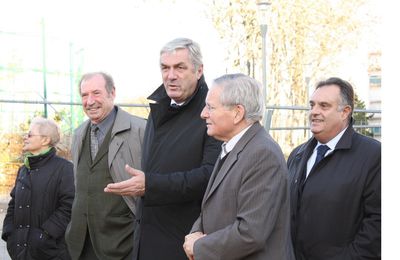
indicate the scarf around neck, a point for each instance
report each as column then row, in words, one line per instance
column 31, row 155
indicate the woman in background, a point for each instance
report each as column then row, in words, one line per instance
column 41, row 200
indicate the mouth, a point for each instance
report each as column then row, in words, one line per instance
column 173, row 86
column 92, row 109
column 315, row 120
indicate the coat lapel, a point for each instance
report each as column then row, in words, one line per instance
column 304, row 154
column 343, row 144
column 121, row 123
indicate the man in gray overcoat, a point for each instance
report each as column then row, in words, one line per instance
column 102, row 224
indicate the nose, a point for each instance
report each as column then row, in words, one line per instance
column 90, row 100
column 171, row 74
column 314, row 110
column 204, row 113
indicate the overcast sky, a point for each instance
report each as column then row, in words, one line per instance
column 121, row 37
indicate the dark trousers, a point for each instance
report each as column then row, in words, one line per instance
column 88, row 252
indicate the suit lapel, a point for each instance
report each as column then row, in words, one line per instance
column 121, row 123
column 217, row 177
column 213, row 175
column 102, row 151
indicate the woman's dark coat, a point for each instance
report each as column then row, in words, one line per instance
column 40, row 209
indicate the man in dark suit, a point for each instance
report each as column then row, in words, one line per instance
column 178, row 156
column 102, row 225
column 335, row 182
column 245, row 210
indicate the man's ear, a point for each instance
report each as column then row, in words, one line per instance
column 113, row 93
column 199, row 71
column 346, row 112
column 239, row 114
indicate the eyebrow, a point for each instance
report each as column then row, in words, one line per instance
column 173, row 65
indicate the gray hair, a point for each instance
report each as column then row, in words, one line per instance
column 240, row 89
column 48, row 128
column 185, row 43
column 108, row 79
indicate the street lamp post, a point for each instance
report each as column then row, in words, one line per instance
column 263, row 7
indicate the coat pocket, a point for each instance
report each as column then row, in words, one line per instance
column 41, row 246
column 12, row 245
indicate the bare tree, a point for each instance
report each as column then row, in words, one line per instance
column 304, row 40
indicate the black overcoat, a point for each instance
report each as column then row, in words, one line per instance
column 338, row 215
column 40, row 209
column 178, row 158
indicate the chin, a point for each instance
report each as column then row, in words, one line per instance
column 315, row 130
column 211, row 133
column 315, row 133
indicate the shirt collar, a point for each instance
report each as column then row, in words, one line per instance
column 333, row 142
column 174, row 102
column 233, row 141
column 105, row 125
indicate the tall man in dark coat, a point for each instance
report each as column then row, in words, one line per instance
column 102, row 224
column 178, row 156
column 336, row 191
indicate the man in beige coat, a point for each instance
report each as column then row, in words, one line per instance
column 102, row 224
column 245, row 209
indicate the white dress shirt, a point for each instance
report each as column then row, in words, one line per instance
column 228, row 146
column 331, row 144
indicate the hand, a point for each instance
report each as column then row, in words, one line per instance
column 189, row 243
column 135, row 186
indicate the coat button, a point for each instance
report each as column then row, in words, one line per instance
column 20, row 226
column 25, row 244
column 27, row 206
column 23, row 187
column 20, row 207
column 28, row 226
column 18, row 244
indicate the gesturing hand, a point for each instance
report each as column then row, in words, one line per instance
column 135, row 186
